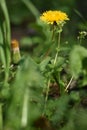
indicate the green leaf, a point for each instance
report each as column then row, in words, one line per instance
column 2, row 55
column 44, row 63
column 76, row 57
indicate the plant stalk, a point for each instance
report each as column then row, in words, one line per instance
column 46, row 98
column 24, row 119
column 7, row 39
column 1, row 118
column 56, row 56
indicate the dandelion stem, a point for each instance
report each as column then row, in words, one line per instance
column 56, row 56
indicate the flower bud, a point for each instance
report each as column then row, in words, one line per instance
column 15, row 52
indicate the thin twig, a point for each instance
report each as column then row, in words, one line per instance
column 69, row 83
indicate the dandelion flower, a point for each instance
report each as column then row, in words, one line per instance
column 51, row 17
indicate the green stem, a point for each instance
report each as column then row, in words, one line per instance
column 6, row 77
column 56, row 56
column 24, row 119
column 80, row 41
column 7, row 38
column 46, row 98
column 1, row 118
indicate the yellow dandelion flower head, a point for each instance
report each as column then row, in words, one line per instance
column 54, row 16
